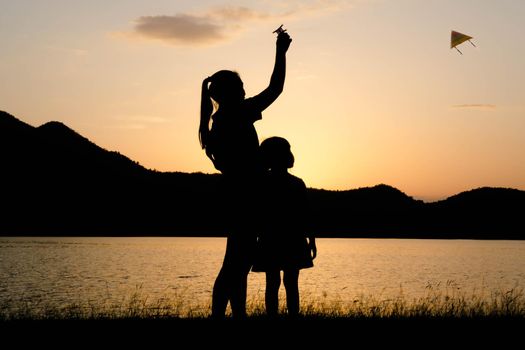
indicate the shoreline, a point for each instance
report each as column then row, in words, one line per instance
column 377, row 236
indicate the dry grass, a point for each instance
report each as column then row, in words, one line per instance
column 445, row 302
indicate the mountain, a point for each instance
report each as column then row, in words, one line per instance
column 377, row 211
column 57, row 182
column 490, row 212
column 54, row 149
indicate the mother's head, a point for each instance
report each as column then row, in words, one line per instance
column 225, row 88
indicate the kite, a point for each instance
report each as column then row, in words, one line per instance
column 457, row 38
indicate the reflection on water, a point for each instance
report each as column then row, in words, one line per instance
column 106, row 270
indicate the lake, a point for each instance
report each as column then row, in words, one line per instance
column 97, row 271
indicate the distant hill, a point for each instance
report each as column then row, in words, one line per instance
column 54, row 149
column 490, row 212
column 57, row 182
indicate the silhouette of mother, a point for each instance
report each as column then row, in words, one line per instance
column 232, row 145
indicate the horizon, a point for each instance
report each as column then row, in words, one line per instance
column 374, row 94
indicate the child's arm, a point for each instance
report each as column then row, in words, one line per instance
column 312, row 246
column 270, row 94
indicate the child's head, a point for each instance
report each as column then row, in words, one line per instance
column 226, row 87
column 276, row 154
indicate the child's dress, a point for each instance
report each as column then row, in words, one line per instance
column 282, row 244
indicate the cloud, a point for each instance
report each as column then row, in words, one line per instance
column 221, row 24
column 180, row 29
column 475, row 106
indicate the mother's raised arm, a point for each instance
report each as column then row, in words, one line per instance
column 274, row 89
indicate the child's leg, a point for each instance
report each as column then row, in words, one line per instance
column 273, row 282
column 291, row 283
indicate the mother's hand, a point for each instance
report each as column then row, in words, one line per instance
column 283, row 41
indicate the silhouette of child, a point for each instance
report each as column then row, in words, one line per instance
column 283, row 245
column 233, row 146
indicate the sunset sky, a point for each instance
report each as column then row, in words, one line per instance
column 373, row 92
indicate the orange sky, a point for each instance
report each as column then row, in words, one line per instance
column 374, row 94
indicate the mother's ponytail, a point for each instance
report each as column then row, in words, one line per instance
column 206, row 111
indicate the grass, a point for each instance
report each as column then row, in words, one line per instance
column 441, row 317
column 438, row 303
